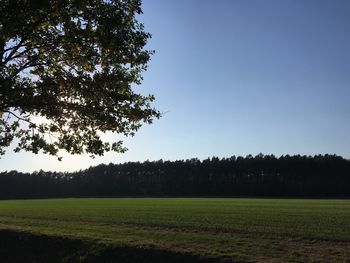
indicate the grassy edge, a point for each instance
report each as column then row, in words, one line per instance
column 258, row 249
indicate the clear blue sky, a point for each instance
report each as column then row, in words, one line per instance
column 238, row 77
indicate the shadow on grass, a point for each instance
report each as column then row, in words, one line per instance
column 18, row 247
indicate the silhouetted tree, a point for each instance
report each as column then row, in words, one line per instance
column 262, row 175
column 72, row 63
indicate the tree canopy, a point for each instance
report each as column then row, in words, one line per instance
column 262, row 175
column 67, row 73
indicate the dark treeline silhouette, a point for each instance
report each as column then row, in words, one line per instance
column 262, row 175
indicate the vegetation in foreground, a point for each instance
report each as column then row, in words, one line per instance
column 262, row 230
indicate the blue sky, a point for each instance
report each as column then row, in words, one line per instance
column 237, row 77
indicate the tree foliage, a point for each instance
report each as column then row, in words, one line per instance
column 66, row 74
column 262, row 175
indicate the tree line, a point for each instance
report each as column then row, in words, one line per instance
column 260, row 175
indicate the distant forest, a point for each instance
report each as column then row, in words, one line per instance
column 261, row 175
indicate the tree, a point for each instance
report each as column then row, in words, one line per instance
column 66, row 74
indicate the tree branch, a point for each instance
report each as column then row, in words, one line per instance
column 14, row 50
column 25, row 66
column 18, row 117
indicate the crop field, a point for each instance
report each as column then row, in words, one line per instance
column 218, row 229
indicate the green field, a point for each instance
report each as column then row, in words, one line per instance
column 261, row 230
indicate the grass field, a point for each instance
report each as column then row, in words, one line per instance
column 261, row 230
